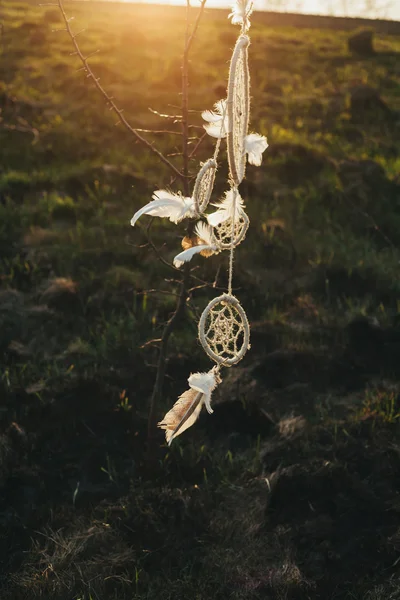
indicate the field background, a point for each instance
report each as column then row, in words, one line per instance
column 291, row 489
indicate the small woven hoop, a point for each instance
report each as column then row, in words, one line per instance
column 219, row 337
column 204, row 185
column 223, row 232
column 238, row 108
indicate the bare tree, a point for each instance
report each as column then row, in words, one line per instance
column 181, row 174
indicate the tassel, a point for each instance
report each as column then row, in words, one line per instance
column 187, row 409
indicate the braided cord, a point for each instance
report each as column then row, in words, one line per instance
column 232, row 248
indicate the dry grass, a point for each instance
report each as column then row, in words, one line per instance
column 290, row 490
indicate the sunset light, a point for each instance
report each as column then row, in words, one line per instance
column 199, row 299
column 381, row 9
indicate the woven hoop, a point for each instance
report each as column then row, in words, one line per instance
column 238, row 109
column 224, row 330
column 223, row 232
column 204, row 185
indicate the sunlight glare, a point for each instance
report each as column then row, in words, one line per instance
column 382, row 9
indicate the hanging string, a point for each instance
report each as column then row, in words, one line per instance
column 232, row 248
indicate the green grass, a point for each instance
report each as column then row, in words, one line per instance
column 290, row 490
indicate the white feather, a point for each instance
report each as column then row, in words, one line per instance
column 166, row 204
column 215, row 130
column 255, row 144
column 203, row 382
column 204, row 232
column 211, row 116
column 226, row 208
column 187, row 255
column 205, row 235
column 206, row 383
column 241, row 11
column 217, row 217
column 218, row 124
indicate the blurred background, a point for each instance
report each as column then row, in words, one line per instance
column 290, row 489
column 372, row 9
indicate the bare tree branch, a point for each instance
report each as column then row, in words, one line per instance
column 177, row 118
column 196, row 26
column 165, row 292
column 184, row 176
column 151, row 343
column 109, row 99
column 183, row 294
column 154, row 247
column 167, row 131
column 185, row 83
column 193, row 152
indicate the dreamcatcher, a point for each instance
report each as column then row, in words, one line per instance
column 224, row 331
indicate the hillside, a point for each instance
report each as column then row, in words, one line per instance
column 290, row 491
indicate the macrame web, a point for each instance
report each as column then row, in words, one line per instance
column 224, row 331
column 223, row 232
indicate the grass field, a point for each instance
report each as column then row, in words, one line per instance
column 290, row 491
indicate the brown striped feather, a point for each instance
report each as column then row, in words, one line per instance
column 182, row 415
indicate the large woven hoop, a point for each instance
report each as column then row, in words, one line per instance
column 204, row 185
column 224, row 330
column 223, row 232
column 238, row 108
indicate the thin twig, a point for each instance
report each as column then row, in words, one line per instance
column 189, row 38
column 165, row 116
column 167, row 131
column 216, row 276
column 150, row 343
column 197, row 287
column 196, row 26
column 370, row 219
column 185, row 102
column 183, row 294
column 154, row 247
column 109, row 99
column 193, row 152
column 165, row 292
column 211, row 285
column 162, row 357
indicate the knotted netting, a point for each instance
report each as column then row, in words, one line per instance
column 223, row 232
column 224, row 330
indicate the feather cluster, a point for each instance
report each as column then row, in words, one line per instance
column 203, row 243
column 241, row 11
column 217, row 120
column 187, row 409
column 231, row 205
